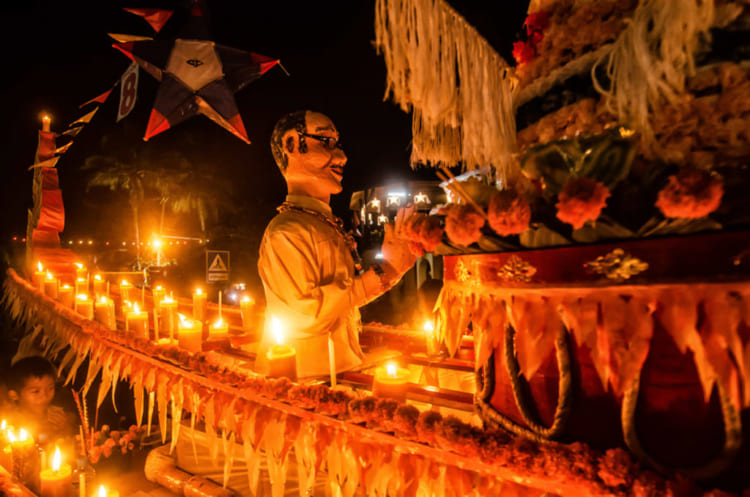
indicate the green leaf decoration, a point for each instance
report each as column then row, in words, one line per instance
column 605, row 157
column 541, row 236
column 658, row 226
column 605, row 228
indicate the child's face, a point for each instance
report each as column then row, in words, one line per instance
column 37, row 394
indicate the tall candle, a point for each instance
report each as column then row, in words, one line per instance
column 219, row 329
column 168, row 311
column 125, row 289
column 282, row 358
column 158, row 294
column 104, row 311
column 431, row 339
column 81, row 286
column 84, row 306
column 45, row 123
column 103, row 492
column 332, row 360
column 99, row 285
column 246, row 310
column 390, row 381
column 37, row 279
column 199, row 305
column 136, row 321
column 56, row 480
column 190, row 334
column 50, row 285
column 80, row 271
column 65, row 295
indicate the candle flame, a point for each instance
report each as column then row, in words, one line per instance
column 198, row 291
column 39, row 265
column 78, row 265
column 102, row 491
column 391, row 369
column 278, row 330
column 125, row 283
column 3, row 424
column 81, row 280
column 98, row 277
column 246, row 298
column 45, row 117
column 82, row 296
column 65, row 286
column 185, row 322
column 167, row 300
column 218, row 323
column 56, row 460
column 49, row 276
column 103, row 300
column 135, row 308
column 429, row 327
column 158, row 288
column 11, row 436
column 22, row 435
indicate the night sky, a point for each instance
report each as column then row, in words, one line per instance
column 58, row 55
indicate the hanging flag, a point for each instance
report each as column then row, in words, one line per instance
column 122, row 38
column 100, row 99
column 77, row 126
column 156, row 18
column 61, row 150
column 47, row 163
column 128, row 91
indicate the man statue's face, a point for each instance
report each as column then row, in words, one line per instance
column 322, row 164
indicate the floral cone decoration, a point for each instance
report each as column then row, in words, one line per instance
column 463, row 225
column 581, row 200
column 691, row 193
column 509, row 213
column 424, row 233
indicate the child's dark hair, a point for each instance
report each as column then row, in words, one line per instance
column 29, row 367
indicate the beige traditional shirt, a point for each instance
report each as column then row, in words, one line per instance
column 311, row 286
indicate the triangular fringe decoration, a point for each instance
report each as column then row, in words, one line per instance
column 459, row 89
column 651, row 58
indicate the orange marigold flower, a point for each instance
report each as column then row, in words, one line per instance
column 463, row 225
column 509, row 213
column 581, row 200
column 690, row 194
column 523, row 52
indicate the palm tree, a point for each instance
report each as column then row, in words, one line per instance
column 205, row 194
column 117, row 175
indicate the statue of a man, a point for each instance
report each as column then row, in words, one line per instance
column 308, row 263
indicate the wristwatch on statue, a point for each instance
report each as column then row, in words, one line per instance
column 387, row 274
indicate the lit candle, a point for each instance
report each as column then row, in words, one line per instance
column 50, row 285
column 168, row 311
column 158, row 295
column 104, row 311
column 84, row 306
column 37, row 278
column 282, row 358
column 332, row 360
column 81, row 286
column 5, row 458
column 433, row 345
column 136, row 321
column 65, row 295
column 24, row 457
column 246, row 310
column 56, row 480
column 45, row 123
column 199, row 305
column 390, row 381
column 218, row 329
column 99, row 285
column 103, row 492
column 162, row 342
column 190, row 334
column 125, row 289
column 81, row 271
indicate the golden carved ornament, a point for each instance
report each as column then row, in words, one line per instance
column 516, row 270
column 617, row 265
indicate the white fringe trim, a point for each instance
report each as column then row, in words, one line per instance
column 459, row 89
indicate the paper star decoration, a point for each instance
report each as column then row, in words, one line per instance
column 197, row 76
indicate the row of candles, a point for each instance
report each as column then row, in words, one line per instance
column 175, row 328
column 20, row 456
column 188, row 333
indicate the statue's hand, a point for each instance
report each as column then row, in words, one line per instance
column 395, row 249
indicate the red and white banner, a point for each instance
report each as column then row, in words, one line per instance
column 128, row 91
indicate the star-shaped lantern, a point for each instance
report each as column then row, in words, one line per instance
column 421, row 198
column 197, row 76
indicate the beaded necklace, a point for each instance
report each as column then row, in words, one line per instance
column 335, row 222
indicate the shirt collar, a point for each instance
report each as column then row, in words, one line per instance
column 310, row 203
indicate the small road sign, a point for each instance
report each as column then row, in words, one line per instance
column 217, row 266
